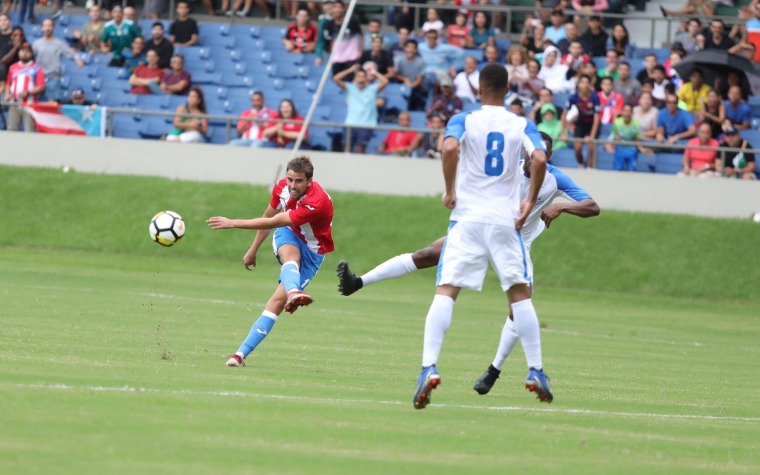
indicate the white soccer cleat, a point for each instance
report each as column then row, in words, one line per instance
column 235, row 360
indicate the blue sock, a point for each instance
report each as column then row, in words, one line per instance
column 259, row 331
column 290, row 276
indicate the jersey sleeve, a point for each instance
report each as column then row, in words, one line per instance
column 455, row 126
column 567, row 186
column 532, row 139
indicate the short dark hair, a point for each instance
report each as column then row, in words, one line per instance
column 697, row 71
column 517, row 102
column 257, row 93
column 412, row 42
column 586, row 76
column 301, row 164
column 624, row 63
column 157, row 23
column 548, row 142
column 659, row 67
column 606, row 78
column 494, row 78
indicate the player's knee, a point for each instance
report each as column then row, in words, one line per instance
column 425, row 258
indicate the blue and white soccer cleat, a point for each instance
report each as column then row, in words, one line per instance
column 429, row 379
column 538, row 382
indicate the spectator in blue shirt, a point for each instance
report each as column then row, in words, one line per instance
column 556, row 31
column 440, row 58
column 361, row 102
column 674, row 124
column 737, row 111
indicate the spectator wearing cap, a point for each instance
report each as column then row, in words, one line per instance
column 738, row 111
column 184, row 30
column 301, row 36
column 701, row 163
column 48, row 52
column 160, row 45
column 26, row 81
column 673, row 123
column 556, row 31
column 694, row 92
column 739, row 164
column 594, row 40
column 118, row 35
column 77, row 98
column 176, row 80
column 445, row 104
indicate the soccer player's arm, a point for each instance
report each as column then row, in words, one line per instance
column 270, row 220
column 450, row 157
column 581, row 205
column 534, row 145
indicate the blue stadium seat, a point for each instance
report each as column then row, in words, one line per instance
column 599, row 61
column 560, row 99
column 124, row 126
column 670, row 163
column 419, row 119
column 564, row 158
column 153, row 128
column 235, row 81
column 604, row 159
column 207, row 78
column 752, row 136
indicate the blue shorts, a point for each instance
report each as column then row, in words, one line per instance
column 625, row 159
column 310, row 260
column 361, row 137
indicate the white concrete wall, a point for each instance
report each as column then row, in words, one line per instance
column 357, row 173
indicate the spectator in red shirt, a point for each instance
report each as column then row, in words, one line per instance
column 147, row 77
column 301, row 36
column 24, row 84
column 701, row 163
column 284, row 134
column 176, row 80
column 402, row 143
column 252, row 122
column 458, row 34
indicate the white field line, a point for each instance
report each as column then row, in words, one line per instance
column 341, row 401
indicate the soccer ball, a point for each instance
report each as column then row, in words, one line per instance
column 166, row 228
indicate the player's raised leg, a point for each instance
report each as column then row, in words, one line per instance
column 395, row 267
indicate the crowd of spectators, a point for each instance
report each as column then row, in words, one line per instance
column 557, row 54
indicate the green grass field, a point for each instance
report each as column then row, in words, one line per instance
column 112, row 350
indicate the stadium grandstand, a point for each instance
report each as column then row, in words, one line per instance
column 241, row 52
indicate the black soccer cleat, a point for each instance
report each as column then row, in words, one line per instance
column 486, row 380
column 348, row 282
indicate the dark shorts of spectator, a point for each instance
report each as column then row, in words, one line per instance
column 340, row 67
column 361, row 137
column 584, row 130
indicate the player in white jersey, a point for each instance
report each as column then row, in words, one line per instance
column 556, row 184
column 482, row 152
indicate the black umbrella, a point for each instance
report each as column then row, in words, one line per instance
column 717, row 63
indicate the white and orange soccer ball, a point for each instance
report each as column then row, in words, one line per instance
column 166, row 228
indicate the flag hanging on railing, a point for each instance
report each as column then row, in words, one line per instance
column 69, row 119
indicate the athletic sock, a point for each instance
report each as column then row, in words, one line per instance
column 437, row 322
column 507, row 343
column 290, row 276
column 259, row 331
column 390, row 269
column 526, row 324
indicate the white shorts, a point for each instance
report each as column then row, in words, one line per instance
column 468, row 249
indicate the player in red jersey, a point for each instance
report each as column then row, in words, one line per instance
column 301, row 212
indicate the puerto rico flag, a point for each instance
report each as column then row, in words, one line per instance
column 68, row 119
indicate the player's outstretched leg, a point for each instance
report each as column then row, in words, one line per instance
column 348, row 282
column 429, row 379
column 260, row 330
column 538, row 382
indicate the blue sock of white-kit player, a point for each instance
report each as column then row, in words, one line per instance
column 259, row 331
column 290, row 276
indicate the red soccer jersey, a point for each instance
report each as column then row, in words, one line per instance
column 301, row 37
column 24, row 77
column 311, row 215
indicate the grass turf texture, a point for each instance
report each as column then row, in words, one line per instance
column 111, row 358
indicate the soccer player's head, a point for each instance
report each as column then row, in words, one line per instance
column 494, row 82
column 299, row 173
